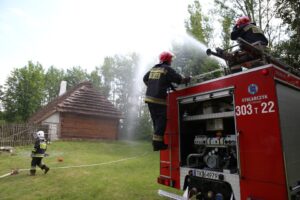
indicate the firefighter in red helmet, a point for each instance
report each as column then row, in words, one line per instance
column 248, row 31
column 158, row 80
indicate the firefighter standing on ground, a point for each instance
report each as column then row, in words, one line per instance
column 158, row 80
column 248, row 31
column 38, row 153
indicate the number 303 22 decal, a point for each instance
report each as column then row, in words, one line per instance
column 249, row 109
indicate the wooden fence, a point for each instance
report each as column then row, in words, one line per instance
column 18, row 134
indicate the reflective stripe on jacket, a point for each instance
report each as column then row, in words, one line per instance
column 40, row 147
column 158, row 80
column 250, row 33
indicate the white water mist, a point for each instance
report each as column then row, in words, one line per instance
column 148, row 58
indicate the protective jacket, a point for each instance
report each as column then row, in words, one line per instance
column 250, row 33
column 158, row 80
column 40, row 147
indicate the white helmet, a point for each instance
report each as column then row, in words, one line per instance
column 40, row 134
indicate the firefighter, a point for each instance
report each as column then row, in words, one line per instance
column 248, row 31
column 252, row 34
column 38, row 153
column 158, row 80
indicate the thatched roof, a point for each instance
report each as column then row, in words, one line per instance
column 82, row 99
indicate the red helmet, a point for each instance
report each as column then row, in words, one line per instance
column 165, row 57
column 242, row 21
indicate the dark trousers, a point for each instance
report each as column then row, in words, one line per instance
column 37, row 161
column 158, row 114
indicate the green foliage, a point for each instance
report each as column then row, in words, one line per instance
column 75, row 75
column 289, row 50
column 107, row 71
column 144, row 127
column 226, row 17
column 241, row 7
column 197, row 24
column 53, row 78
column 95, row 78
column 1, row 108
column 289, row 11
column 226, row 27
column 119, row 83
column 1, row 92
column 25, row 92
column 124, row 78
column 124, row 73
column 191, row 58
column 261, row 12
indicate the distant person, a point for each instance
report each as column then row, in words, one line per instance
column 38, row 153
column 158, row 80
column 249, row 32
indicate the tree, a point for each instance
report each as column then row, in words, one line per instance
column 191, row 58
column 120, row 82
column 1, row 92
column 75, row 76
column 289, row 50
column 107, row 72
column 262, row 12
column 197, row 24
column 1, row 99
column 25, row 92
column 95, row 78
column 126, row 96
column 289, row 11
column 53, row 78
column 226, row 21
column 144, row 126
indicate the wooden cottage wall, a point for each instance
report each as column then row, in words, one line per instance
column 83, row 126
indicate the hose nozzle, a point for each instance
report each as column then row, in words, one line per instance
column 208, row 52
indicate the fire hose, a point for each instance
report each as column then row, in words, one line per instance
column 254, row 51
column 13, row 172
column 17, row 171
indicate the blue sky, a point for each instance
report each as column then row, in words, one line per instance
column 67, row 33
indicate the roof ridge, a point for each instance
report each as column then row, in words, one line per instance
column 72, row 98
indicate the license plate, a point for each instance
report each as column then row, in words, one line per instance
column 207, row 174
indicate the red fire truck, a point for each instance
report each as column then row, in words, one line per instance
column 235, row 137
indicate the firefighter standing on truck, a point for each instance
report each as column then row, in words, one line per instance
column 252, row 34
column 158, row 80
column 38, row 153
column 248, row 31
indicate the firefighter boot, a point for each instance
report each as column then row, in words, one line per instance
column 32, row 172
column 45, row 168
column 159, row 145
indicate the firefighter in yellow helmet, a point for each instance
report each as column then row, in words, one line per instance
column 158, row 80
column 38, row 153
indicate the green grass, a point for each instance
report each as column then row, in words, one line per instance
column 132, row 179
